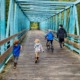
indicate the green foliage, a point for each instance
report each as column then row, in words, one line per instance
column 34, row 25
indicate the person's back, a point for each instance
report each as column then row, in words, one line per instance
column 61, row 33
column 38, row 48
column 16, row 50
column 49, row 36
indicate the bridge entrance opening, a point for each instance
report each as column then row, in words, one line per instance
column 34, row 25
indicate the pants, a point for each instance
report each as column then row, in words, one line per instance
column 37, row 54
column 51, row 42
column 15, row 59
column 61, row 40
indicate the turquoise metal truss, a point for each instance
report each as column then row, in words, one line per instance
column 49, row 14
column 15, row 27
column 69, row 21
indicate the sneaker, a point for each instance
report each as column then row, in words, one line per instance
column 14, row 68
column 63, row 44
column 60, row 45
column 35, row 61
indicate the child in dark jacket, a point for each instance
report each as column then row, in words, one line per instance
column 61, row 34
column 16, row 52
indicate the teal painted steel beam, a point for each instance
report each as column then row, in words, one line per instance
column 8, row 20
column 45, row 3
column 60, row 18
column 30, row 12
column 38, row 10
column 12, row 20
column 77, row 2
column 16, row 19
column 56, row 22
column 65, row 14
column 41, row 7
column 40, row 14
column 2, row 26
column 76, row 20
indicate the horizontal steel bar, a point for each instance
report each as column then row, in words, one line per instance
column 29, row 2
column 39, row 14
column 42, row 7
column 41, row 10
column 77, row 2
column 45, row 12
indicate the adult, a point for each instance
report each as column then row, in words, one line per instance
column 61, row 34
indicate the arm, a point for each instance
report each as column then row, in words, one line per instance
column 41, row 48
column 57, row 33
column 21, row 47
column 65, row 33
column 45, row 36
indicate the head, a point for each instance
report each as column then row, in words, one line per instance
column 16, row 42
column 37, row 41
column 60, row 26
column 49, row 30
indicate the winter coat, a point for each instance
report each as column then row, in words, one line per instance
column 38, row 47
column 16, row 50
column 49, row 36
column 61, row 33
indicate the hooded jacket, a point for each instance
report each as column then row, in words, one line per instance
column 61, row 33
column 49, row 36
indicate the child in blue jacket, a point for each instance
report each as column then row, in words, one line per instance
column 49, row 36
column 16, row 52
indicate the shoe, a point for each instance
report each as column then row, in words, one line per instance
column 37, row 58
column 15, row 64
column 63, row 44
column 14, row 67
column 35, row 61
column 60, row 45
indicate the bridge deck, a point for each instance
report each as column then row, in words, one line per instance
column 62, row 64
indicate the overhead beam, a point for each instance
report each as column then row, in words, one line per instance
column 37, row 6
column 52, row 3
column 40, row 6
column 77, row 2
column 41, row 14
column 37, row 10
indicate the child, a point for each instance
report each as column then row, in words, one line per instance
column 16, row 52
column 38, row 48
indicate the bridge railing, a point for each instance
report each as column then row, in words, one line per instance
column 68, row 17
column 72, row 42
column 15, row 26
column 8, row 52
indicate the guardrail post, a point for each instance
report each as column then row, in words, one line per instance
column 65, row 20
column 3, row 28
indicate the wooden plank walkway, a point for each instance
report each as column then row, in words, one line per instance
column 62, row 64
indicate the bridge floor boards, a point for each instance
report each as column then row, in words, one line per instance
column 62, row 64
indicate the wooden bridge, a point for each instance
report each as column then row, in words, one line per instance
column 62, row 64
column 16, row 19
